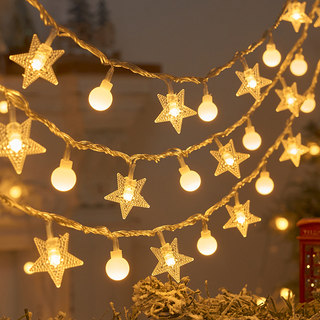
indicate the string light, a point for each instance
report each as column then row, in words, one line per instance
column 189, row 180
column 174, row 110
column 169, row 259
column 207, row 244
column 251, row 140
column 117, row 268
column 207, row 110
column 281, row 223
column 271, row 57
column 3, row 106
column 264, row 185
column 298, row 66
column 128, row 193
column 38, row 61
column 309, row 104
column 27, row 267
column 314, row 148
column 100, row 98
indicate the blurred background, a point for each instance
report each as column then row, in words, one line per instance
column 180, row 37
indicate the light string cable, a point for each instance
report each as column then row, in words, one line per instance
column 17, row 99
column 103, row 230
column 62, row 31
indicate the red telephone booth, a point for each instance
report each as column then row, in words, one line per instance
column 309, row 240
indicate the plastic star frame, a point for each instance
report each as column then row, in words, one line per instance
column 295, row 13
column 240, row 217
column 317, row 23
column 163, row 267
column 247, row 77
column 174, row 110
column 290, row 99
column 293, row 149
column 28, row 145
column 67, row 260
column 136, row 200
column 236, row 157
column 30, row 74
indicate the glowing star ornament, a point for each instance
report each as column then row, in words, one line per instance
column 290, row 99
column 251, row 82
column 174, row 110
column 128, row 193
column 240, row 217
column 38, row 61
column 15, row 143
column 295, row 13
column 54, row 258
column 293, row 149
column 228, row 159
column 169, row 259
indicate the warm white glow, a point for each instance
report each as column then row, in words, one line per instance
column 37, row 64
column 54, row 256
column 296, row 15
column 260, row 301
column 292, row 149
column 15, row 192
column 252, row 82
column 251, row 140
column 27, row 266
column 128, row 193
column 271, row 56
column 3, row 106
column 314, row 149
column 190, row 180
column 264, row 185
column 228, row 158
column 309, row 104
column 207, row 110
column 241, row 218
column 285, row 293
column 117, row 268
column 169, row 259
column 100, row 98
column 207, row 244
column 281, row 223
column 64, row 178
column 298, row 66
column 15, row 142
column 174, row 109
column 291, row 99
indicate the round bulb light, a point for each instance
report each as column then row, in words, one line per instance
column 309, row 104
column 298, row 66
column 207, row 110
column 285, row 293
column 64, row 178
column 264, row 185
column 271, row 56
column 117, row 268
column 251, row 140
column 27, row 266
column 189, row 180
column 281, row 223
column 100, row 98
column 15, row 142
column 15, row 192
column 3, row 106
column 314, row 149
column 207, row 244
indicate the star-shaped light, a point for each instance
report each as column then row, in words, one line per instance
column 251, row 82
column 229, row 159
column 293, row 149
column 128, row 194
column 295, row 13
column 170, row 260
column 37, row 62
column 290, row 99
column 240, row 217
column 317, row 23
column 54, row 258
column 174, row 109
column 15, row 143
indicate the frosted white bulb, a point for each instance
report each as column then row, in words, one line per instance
column 285, row 293
column 27, row 266
column 314, row 149
column 228, row 158
column 15, row 142
column 117, row 268
column 298, row 66
column 54, row 256
column 41, row 56
column 281, row 223
column 3, row 106
column 64, row 178
column 189, row 180
column 292, row 149
column 271, row 56
column 264, row 185
column 100, row 98
column 15, row 192
column 207, row 244
column 241, row 218
column 207, row 110
column 309, row 104
column 128, row 193
column 169, row 259
column 251, row 140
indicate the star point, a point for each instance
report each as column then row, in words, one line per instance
column 37, row 62
column 293, row 149
column 251, row 82
column 16, row 132
column 240, row 217
column 317, row 22
column 170, row 260
column 128, row 194
column 174, row 110
column 228, row 159
column 47, row 263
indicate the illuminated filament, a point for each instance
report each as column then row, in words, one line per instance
column 14, row 136
column 174, row 109
column 54, row 256
column 129, row 188
column 228, row 158
column 41, row 56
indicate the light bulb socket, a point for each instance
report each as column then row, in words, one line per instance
column 207, row 98
column 52, row 243
column 66, row 164
column 271, row 46
column 184, row 169
column 106, row 85
column 264, row 174
column 13, row 127
column 116, row 254
column 249, row 129
column 205, row 234
column 299, row 56
column 172, row 98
